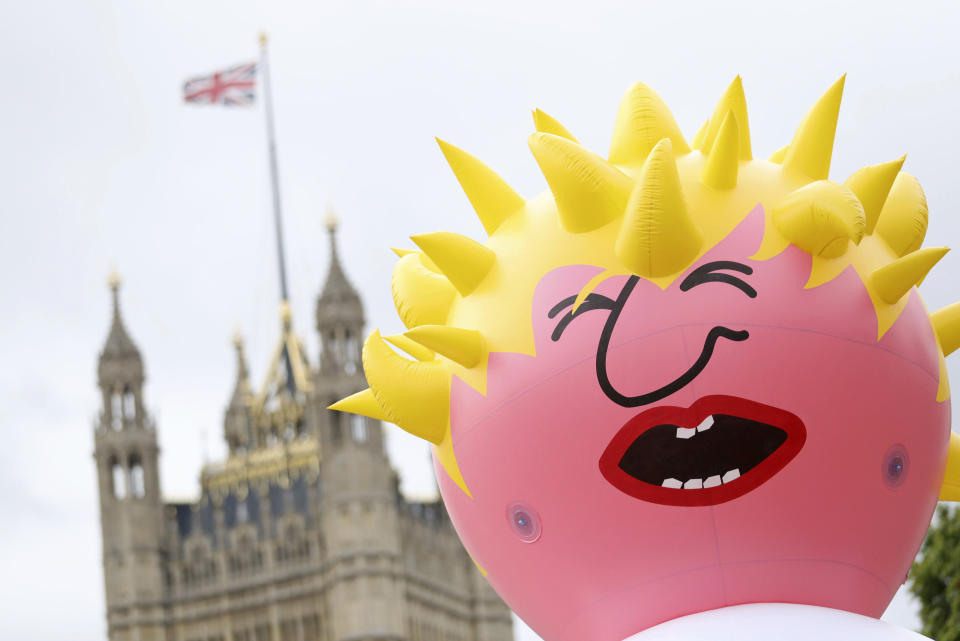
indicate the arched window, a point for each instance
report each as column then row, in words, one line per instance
column 353, row 352
column 116, row 411
column 332, row 344
column 336, row 430
column 242, row 513
column 358, row 428
column 129, row 404
column 118, row 479
column 136, row 477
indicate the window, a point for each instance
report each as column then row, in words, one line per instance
column 129, row 404
column 116, row 411
column 358, row 428
column 136, row 477
column 288, row 630
column 352, row 355
column 336, row 431
column 118, row 480
column 311, row 628
column 242, row 514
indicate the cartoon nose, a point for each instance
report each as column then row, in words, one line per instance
column 639, row 365
column 645, row 370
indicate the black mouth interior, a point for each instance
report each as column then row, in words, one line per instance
column 729, row 448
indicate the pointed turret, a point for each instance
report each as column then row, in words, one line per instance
column 120, row 370
column 237, row 424
column 339, row 315
column 128, row 476
column 337, row 288
column 119, row 346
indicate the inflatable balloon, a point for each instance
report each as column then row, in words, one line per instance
column 682, row 378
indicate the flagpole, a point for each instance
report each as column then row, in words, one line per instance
column 275, row 182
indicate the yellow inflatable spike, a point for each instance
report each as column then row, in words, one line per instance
column 903, row 219
column 492, row 198
column 820, row 218
column 545, row 123
column 731, row 100
column 643, row 119
column 413, row 348
column 423, row 258
column 895, row 279
column 946, row 325
column 363, row 403
column 722, row 166
column 464, row 261
column 422, row 409
column 871, row 185
column 464, row 346
column 421, row 296
column 589, row 192
column 698, row 137
column 950, row 490
column 658, row 237
column 812, row 146
column 778, row 156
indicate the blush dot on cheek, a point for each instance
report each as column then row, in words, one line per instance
column 524, row 522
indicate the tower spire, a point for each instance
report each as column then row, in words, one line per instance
column 242, row 387
column 336, row 287
column 119, row 346
column 339, row 313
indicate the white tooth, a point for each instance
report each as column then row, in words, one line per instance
column 732, row 474
column 672, row 483
column 686, row 432
column 693, row 484
column 712, row 481
column 706, row 424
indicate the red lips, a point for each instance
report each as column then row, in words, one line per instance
column 659, row 447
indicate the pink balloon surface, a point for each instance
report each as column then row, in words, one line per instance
column 838, row 440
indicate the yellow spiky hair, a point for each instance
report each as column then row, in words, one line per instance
column 651, row 208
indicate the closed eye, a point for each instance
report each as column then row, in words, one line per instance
column 591, row 302
column 710, row 273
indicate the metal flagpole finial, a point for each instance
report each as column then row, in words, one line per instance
column 263, row 38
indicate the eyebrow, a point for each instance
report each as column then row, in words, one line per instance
column 591, row 302
column 708, row 273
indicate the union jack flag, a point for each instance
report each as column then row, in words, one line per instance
column 235, row 87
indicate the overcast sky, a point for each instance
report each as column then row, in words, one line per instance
column 102, row 165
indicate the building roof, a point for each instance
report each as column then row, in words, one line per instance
column 336, row 288
column 119, row 351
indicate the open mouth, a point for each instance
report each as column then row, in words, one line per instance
column 718, row 449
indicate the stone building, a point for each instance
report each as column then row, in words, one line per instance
column 301, row 534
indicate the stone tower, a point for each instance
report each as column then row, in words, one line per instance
column 359, row 502
column 131, row 512
column 301, row 533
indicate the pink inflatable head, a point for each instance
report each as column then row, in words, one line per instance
column 680, row 380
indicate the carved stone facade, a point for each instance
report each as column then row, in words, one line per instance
column 301, row 534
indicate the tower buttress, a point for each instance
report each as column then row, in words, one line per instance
column 360, row 495
column 340, row 326
column 131, row 511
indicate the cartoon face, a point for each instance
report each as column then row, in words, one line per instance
column 682, row 379
column 721, row 441
column 654, row 454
